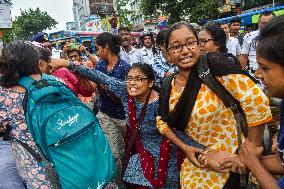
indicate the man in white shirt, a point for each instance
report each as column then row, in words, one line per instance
column 147, row 39
column 232, row 43
column 133, row 54
column 248, row 52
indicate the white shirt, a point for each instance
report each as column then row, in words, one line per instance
column 233, row 46
column 249, row 48
column 147, row 55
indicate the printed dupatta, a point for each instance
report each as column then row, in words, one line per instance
column 133, row 145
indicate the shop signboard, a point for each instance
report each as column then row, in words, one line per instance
column 5, row 16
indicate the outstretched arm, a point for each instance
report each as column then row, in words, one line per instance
column 117, row 86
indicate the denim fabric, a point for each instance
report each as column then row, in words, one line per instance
column 9, row 177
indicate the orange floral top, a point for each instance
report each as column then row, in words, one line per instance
column 213, row 125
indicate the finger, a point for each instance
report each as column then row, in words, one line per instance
column 196, row 163
column 227, row 165
column 259, row 150
column 227, row 160
column 225, row 170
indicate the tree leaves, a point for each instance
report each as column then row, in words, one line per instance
column 30, row 22
column 189, row 10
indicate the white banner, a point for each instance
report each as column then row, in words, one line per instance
column 5, row 16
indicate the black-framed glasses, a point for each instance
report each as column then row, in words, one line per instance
column 202, row 42
column 136, row 79
column 178, row 47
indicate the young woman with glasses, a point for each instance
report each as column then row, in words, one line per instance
column 154, row 162
column 192, row 107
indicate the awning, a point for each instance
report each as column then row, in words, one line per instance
column 252, row 17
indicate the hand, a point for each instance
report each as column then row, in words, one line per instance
column 82, row 48
column 191, row 153
column 234, row 164
column 212, row 160
column 58, row 63
column 250, row 153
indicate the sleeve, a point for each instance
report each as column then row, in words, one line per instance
column 253, row 101
column 3, row 112
column 246, row 45
column 159, row 67
column 118, row 87
column 161, row 125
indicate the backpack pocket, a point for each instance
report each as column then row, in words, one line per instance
column 83, row 159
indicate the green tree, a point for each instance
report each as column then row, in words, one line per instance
column 189, row 10
column 30, row 22
column 123, row 13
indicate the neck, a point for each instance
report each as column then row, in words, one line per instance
column 127, row 49
column 143, row 98
column 182, row 77
column 112, row 59
column 184, row 74
column 234, row 34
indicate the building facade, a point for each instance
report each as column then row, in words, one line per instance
column 83, row 10
column 70, row 26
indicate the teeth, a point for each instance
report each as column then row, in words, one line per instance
column 186, row 59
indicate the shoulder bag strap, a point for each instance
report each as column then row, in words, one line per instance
column 228, row 100
column 134, row 133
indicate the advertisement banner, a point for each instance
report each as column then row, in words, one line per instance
column 5, row 16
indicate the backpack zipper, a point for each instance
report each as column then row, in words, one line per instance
column 73, row 136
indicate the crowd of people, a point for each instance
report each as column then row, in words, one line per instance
column 187, row 110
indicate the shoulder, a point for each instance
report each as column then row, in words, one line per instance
column 124, row 64
column 100, row 64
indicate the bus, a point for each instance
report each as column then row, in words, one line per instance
column 86, row 38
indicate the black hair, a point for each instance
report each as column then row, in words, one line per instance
column 218, row 35
column 236, row 19
column 267, row 13
column 161, row 37
column 123, row 28
column 44, row 53
column 146, row 69
column 73, row 50
column 18, row 59
column 112, row 41
column 160, row 40
column 147, row 34
column 177, row 26
column 271, row 41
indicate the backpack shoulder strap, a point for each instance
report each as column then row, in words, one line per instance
column 229, row 101
column 26, row 82
column 164, row 97
column 48, row 77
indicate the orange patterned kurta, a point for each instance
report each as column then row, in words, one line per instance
column 213, row 125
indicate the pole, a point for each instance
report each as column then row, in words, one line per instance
column 273, row 3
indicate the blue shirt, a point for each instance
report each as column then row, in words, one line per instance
column 106, row 103
column 161, row 67
column 281, row 142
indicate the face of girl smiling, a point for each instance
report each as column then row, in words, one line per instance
column 183, row 48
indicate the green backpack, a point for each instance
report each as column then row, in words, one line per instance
column 68, row 135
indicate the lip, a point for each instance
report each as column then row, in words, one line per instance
column 186, row 59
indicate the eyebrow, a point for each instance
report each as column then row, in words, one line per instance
column 189, row 38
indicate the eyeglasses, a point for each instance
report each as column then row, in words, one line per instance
column 136, row 80
column 202, row 42
column 178, row 48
